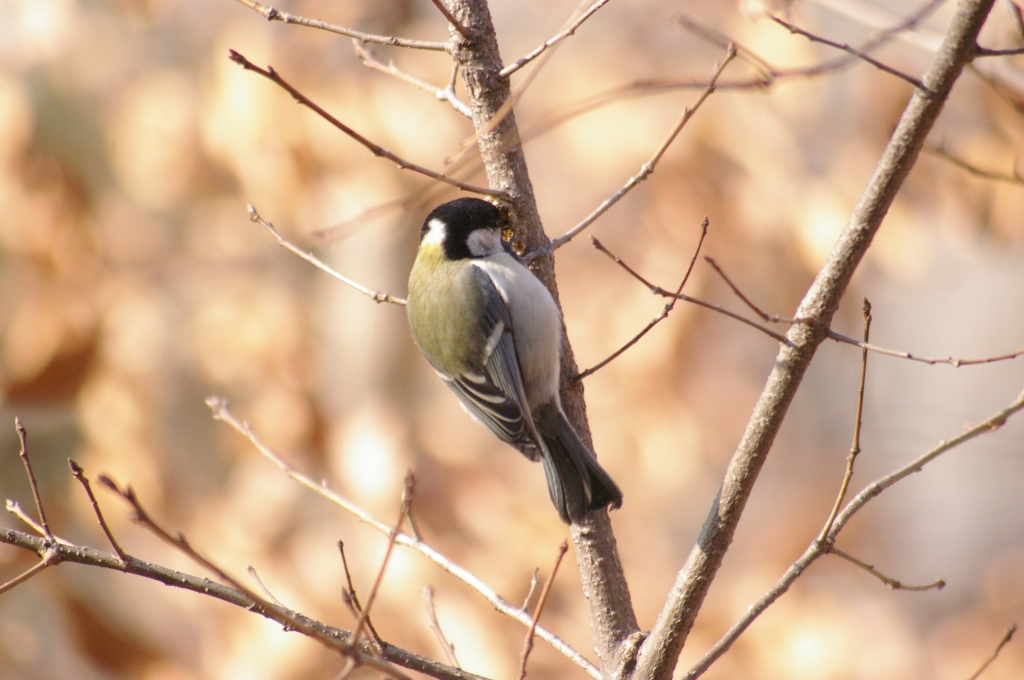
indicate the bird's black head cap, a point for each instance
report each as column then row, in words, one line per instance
column 461, row 218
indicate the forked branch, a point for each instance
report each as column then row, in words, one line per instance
column 821, row 547
column 554, row 40
column 659, row 654
column 347, row 647
column 854, row 52
column 53, row 551
column 775, row 318
column 656, row 320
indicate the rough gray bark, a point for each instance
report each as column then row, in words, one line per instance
column 604, row 584
column 660, row 653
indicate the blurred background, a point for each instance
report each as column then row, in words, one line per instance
column 132, row 286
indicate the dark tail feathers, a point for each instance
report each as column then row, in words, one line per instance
column 576, row 482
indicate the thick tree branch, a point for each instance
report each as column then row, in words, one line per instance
column 822, row 546
column 604, row 584
column 659, row 654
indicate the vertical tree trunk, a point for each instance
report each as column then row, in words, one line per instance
column 604, row 584
column 661, row 651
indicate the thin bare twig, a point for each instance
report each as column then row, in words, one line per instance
column 951, row 361
column 647, row 168
column 1017, row 12
column 78, row 473
column 364, row 615
column 999, row 647
column 443, row 94
column 407, row 494
column 273, row 611
column 857, row 421
column 1015, row 178
column 220, row 410
column 541, row 601
column 658, row 290
column 205, row 587
column 319, row 264
column 451, row 18
column 771, row 318
column 770, row 73
column 50, row 558
column 819, row 548
column 989, row 425
column 270, row 74
column 533, row 587
column 645, row 88
column 347, row 669
column 656, row 320
column 893, row 584
column 839, row 337
column 251, row 570
column 351, row 599
column 855, row 52
column 447, row 647
column 554, row 40
column 1008, row 52
column 1001, row 86
column 490, row 124
column 271, row 14
column 413, row 527
column 14, row 507
column 23, row 453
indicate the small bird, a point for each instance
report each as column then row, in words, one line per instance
column 492, row 331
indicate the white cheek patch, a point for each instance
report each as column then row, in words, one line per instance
column 435, row 233
column 484, row 242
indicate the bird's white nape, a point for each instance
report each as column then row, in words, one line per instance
column 436, row 232
column 484, row 242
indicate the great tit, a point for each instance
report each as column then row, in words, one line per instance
column 492, row 331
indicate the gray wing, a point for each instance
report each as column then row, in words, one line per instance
column 495, row 395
